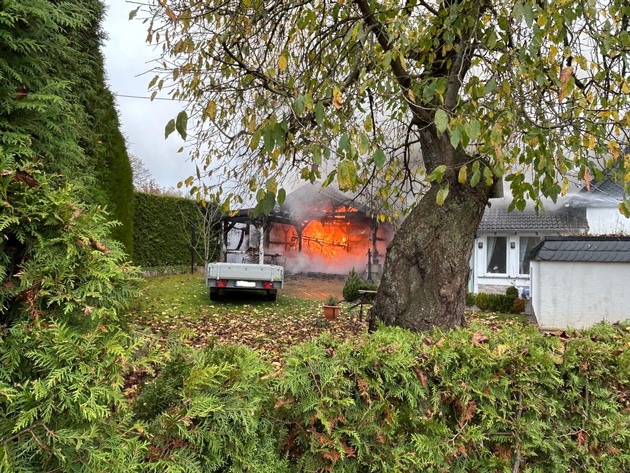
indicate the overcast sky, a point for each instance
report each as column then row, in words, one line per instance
column 127, row 58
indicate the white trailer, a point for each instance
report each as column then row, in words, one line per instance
column 244, row 276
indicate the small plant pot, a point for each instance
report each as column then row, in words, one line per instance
column 331, row 312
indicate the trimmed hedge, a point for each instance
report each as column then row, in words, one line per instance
column 508, row 303
column 394, row 401
column 163, row 229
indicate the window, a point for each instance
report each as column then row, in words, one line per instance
column 525, row 246
column 496, row 255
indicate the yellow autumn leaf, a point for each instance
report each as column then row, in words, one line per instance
column 170, row 14
column 251, row 124
column 462, row 177
column 211, row 109
column 565, row 75
column 283, row 61
column 336, row 98
column 613, row 148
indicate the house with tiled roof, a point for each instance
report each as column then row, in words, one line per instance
column 505, row 239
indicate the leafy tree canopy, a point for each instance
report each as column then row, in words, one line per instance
column 398, row 93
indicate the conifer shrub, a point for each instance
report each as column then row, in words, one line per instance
column 512, row 291
column 212, row 410
column 472, row 399
column 63, row 350
column 353, row 284
column 466, row 400
column 163, row 228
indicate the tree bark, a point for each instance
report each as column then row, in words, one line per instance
column 426, row 271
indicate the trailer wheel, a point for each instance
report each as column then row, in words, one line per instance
column 272, row 296
column 214, row 294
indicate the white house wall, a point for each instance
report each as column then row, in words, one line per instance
column 579, row 295
column 607, row 221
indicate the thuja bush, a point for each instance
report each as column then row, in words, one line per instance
column 353, row 284
column 467, row 400
column 63, row 292
column 211, row 410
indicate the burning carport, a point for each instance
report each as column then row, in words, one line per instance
column 315, row 230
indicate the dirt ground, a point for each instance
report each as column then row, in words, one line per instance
column 313, row 287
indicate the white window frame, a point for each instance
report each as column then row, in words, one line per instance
column 486, row 273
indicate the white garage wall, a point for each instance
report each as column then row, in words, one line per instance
column 579, row 295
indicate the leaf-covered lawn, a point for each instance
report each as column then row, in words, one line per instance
column 179, row 306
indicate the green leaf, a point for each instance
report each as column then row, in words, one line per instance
column 344, row 141
column 153, row 81
column 170, row 128
column 473, row 129
column 317, row 154
column 347, row 175
column 181, row 124
column 490, row 86
column 270, row 142
column 379, row 158
column 476, row 177
column 133, row 13
column 298, row 105
column 441, row 120
column 320, row 113
column 456, row 135
column 331, row 177
column 437, row 174
column 282, row 195
column 442, row 195
column 268, row 203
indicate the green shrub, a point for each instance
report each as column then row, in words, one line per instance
column 470, row 299
column 163, row 229
column 512, row 292
column 468, row 400
column 212, row 410
column 354, row 283
column 494, row 302
column 63, row 350
column 518, row 306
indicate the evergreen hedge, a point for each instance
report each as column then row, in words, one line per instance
column 56, row 109
column 64, row 292
column 467, row 400
column 163, row 227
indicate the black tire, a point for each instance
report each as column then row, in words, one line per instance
column 214, row 294
column 272, row 296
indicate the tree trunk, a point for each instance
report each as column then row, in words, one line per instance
column 426, row 271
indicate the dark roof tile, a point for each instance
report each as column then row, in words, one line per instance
column 583, row 249
column 497, row 218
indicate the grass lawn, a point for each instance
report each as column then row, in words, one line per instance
column 179, row 306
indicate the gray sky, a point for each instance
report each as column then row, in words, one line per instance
column 127, row 58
